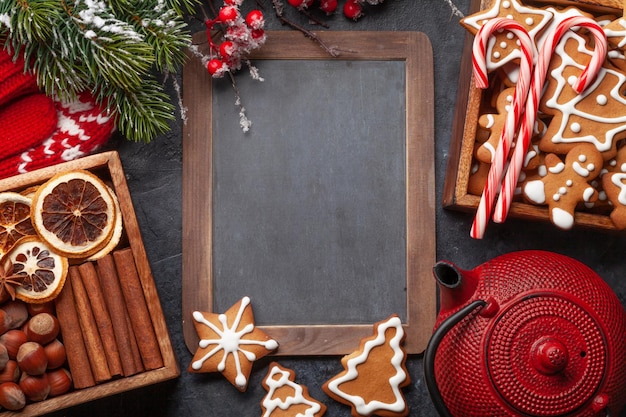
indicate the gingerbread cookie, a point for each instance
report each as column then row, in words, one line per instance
column 596, row 116
column 494, row 123
column 373, row 376
column 503, row 48
column 566, row 184
column 285, row 398
column 230, row 343
column 614, row 185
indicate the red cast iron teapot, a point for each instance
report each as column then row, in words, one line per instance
column 528, row 333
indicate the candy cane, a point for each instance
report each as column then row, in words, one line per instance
column 513, row 116
column 532, row 103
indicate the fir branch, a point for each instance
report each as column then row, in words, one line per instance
column 143, row 114
column 112, row 48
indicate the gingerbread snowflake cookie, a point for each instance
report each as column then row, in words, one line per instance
column 286, row 398
column 374, row 375
column 230, row 343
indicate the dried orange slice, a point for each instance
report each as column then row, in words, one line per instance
column 14, row 219
column 117, row 232
column 44, row 271
column 74, row 213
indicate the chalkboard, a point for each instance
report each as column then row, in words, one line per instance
column 323, row 212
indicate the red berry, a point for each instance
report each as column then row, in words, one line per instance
column 257, row 34
column 228, row 14
column 352, row 9
column 227, row 49
column 214, row 66
column 328, row 6
column 255, row 19
column 301, row 4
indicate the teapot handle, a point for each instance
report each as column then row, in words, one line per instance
column 431, row 350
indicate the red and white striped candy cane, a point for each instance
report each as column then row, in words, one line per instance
column 507, row 136
column 532, row 103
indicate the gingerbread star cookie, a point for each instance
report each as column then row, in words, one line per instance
column 230, row 343
column 374, row 375
column 286, row 398
column 503, row 48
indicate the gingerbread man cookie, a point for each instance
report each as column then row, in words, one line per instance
column 374, row 375
column 566, row 184
column 230, row 343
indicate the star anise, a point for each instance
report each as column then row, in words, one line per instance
column 9, row 281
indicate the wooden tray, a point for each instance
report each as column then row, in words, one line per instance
column 107, row 166
column 455, row 194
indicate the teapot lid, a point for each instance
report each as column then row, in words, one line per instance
column 546, row 354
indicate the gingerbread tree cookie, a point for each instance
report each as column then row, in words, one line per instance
column 373, row 376
column 597, row 116
column 230, row 343
column 285, row 398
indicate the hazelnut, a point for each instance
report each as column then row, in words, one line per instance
column 55, row 352
column 16, row 313
column 35, row 387
column 60, row 381
column 11, row 372
column 4, row 356
column 31, row 358
column 11, row 396
column 34, row 309
column 42, row 328
column 12, row 340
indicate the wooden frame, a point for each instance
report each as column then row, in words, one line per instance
column 455, row 194
column 319, row 339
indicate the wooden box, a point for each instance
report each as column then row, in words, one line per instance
column 464, row 129
column 108, row 167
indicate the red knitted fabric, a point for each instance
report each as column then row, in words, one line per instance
column 25, row 122
column 82, row 127
column 13, row 81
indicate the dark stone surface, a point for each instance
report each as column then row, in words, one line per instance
column 154, row 176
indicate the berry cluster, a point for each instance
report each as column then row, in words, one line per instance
column 352, row 9
column 240, row 36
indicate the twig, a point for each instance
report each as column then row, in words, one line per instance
column 313, row 18
column 244, row 122
column 279, row 7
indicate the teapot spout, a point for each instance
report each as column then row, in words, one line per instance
column 456, row 286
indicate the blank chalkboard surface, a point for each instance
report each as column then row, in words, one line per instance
column 323, row 212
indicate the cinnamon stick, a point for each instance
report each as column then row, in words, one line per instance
column 72, row 338
column 101, row 315
column 119, row 316
column 135, row 349
column 93, row 343
column 138, row 309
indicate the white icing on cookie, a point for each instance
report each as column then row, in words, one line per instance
column 562, row 218
column 618, row 181
column 557, row 168
column 535, row 191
